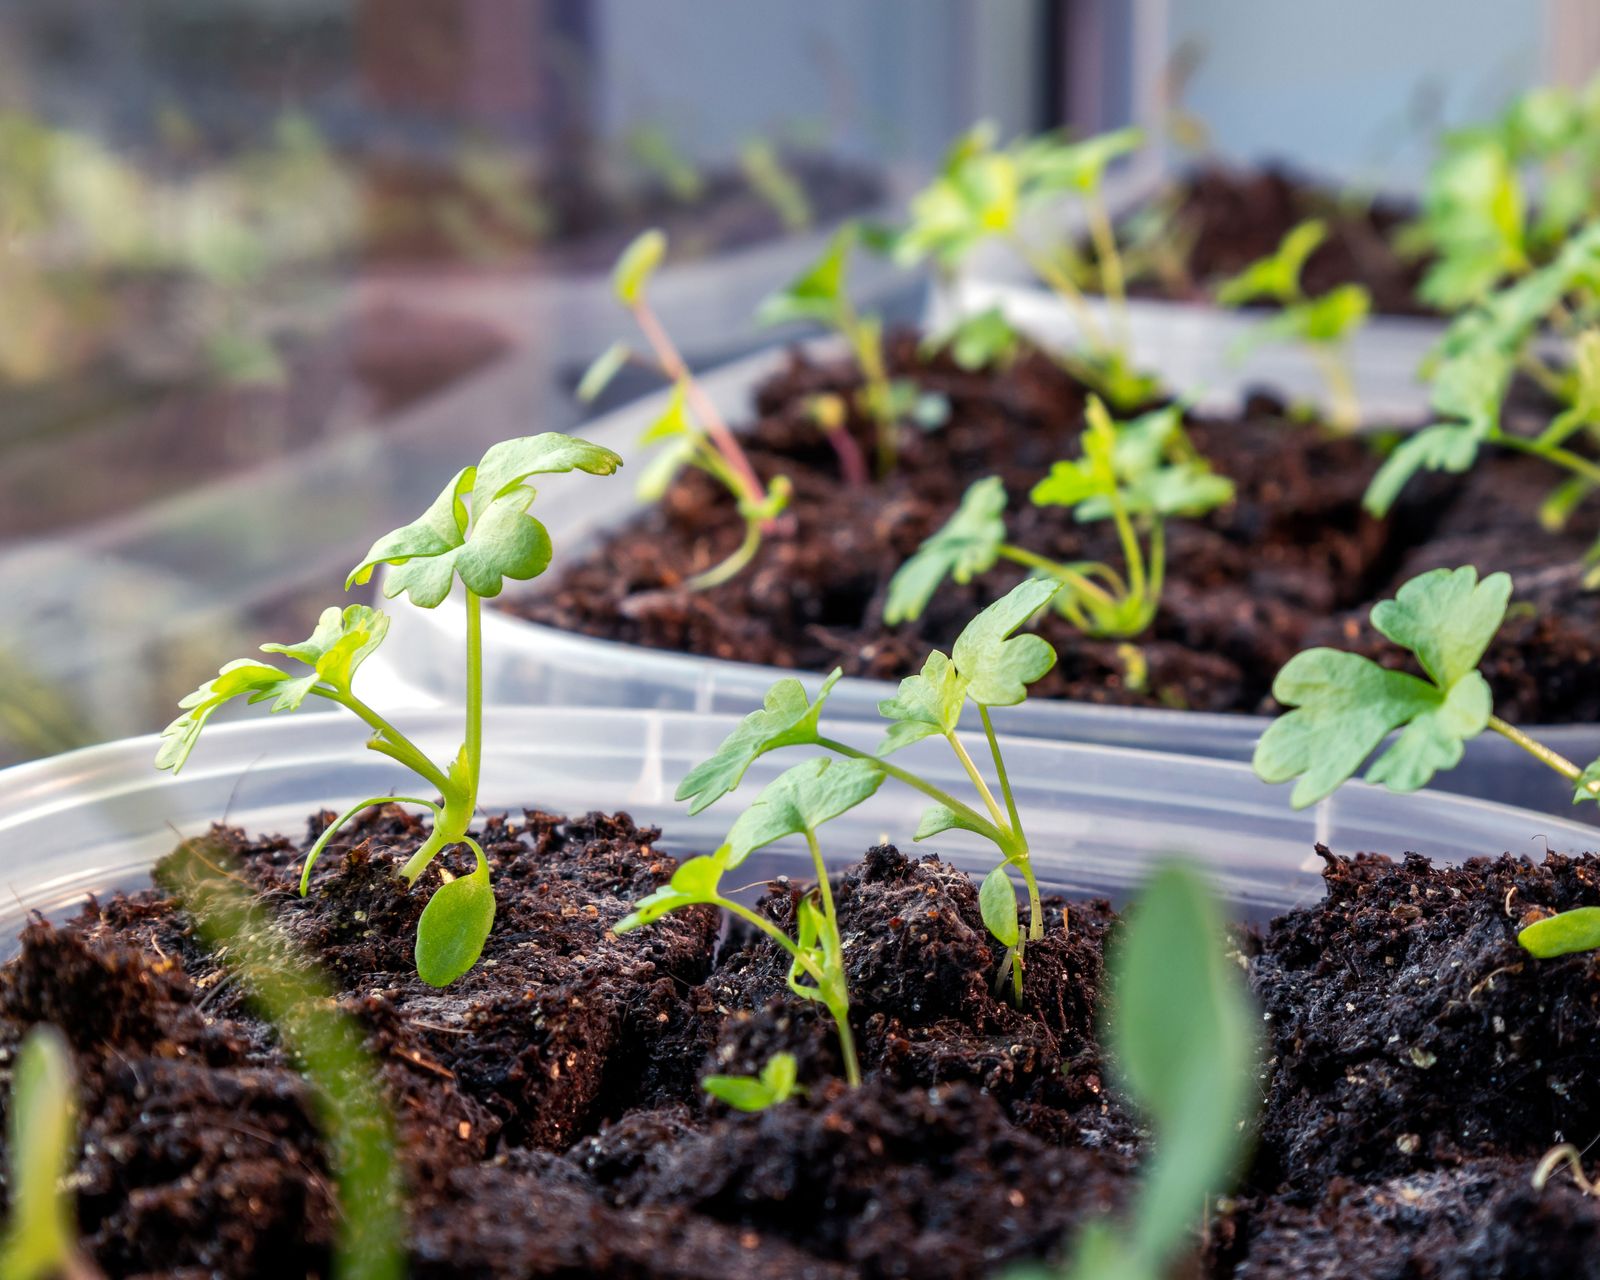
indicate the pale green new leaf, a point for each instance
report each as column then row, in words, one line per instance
column 1050, row 164
column 342, row 640
column 1447, row 618
column 776, row 1083
column 597, row 377
column 1276, row 276
column 243, row 676
column 816, row 294
column 695, row 881
column 507, row 464
column 39, row 1241
column 436, row 532
column 925, row 704
column 799, row 800
column 997, row 666
column 675, row 421
column 787, row 719
column 637, row 264
column 966, row 545
column 1561, row 935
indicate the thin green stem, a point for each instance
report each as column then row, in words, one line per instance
column 400, row 747
column 824, row 889
column 833, row 989
column 1057, row 279
column 474, row 744
column 1022, row 857
column 1132, row 553
column 333, row 828
column 847, row 1045
column 730, row 568
column 772, row 931
column 1077, row 581
column 967, row 763
column 974, row 820
column 1573, row 462
column 1542, row 753
column 1532, row 364
column 1111, row 274
column 1000, row 773
column 1344, row 404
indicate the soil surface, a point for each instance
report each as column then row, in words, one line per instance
column 572, row 223
column 1227, row 218
column 1292, row 561
column 1416, row 1065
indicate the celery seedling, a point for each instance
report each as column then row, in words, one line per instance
column 778, row 1082
column 40, row 1241
column 821, row 295
column 478, row 530
column 1182, row 1033
column 1344, row 706
column 988, row 667
column 797, row 802
column 1322, row 324
column 698, row 434
column 1138, row 474
column 985, row 193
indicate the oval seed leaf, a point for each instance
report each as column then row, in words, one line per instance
column 997, row 899
column 1561, row 935
column 637, row 264
column 742, row 1093
column 597, row 377
column 454, row 926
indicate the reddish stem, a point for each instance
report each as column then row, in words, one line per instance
column 722, row 438
column 852, row 462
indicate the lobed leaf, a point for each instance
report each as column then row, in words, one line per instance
column 342, row 640
column 800, row 800
column 695, row 881
column 925, row 704
column 966, row 545
column 1276, row 276
column 243, row 676
column 1438, row 448
column 815, row 296
column 997, row 667
column 787, row 719
column 1447, row 618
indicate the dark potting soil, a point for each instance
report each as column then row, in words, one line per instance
column 1416, row 1065
column 1291, row 562
column 417, row 214
column 1226, row 218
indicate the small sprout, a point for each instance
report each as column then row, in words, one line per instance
column 778, row 1082
column 695, row 432
column 1138, row 474
column 1323, row 324
column 477, row 530
column 821, row 295
column 1345, row 705
column 796, row 802
column 983, row 193
column 770, row 179
column 1183, row 1034
column 988, row 667
column 653, row 149
column 40, row 1240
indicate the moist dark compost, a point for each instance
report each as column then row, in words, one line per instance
column 1416, row 1066
column 1292, row 561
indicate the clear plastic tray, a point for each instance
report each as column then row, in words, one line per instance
column 93, row 821
column 526, row 664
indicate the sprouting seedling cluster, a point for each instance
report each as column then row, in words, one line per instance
column 821, row 295
column 691, row 427
column 478, row 530
column 41, row 1238
column 987, row 667
column 1480, row 223
column 1343, row 706
column 1137, row 474
column 1182, row 1033
column 1482, row 350
column 1322, row 324
column 986, row 193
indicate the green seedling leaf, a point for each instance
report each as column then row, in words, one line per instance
column 925, row 704
column 817, row 294
column 1563, row 934
column 40, row 1240
column 454, row 926
column 800, row 800
column 1277, row 276
column 342, row 640
column 675, row 421
column 1332, row 317
column 1050, row 164
column 597, row 377
column 1438, row 448
column 237, row 678
column 982, row 340
column 778, row 1082
column 1587, row 786
column 997, row 899
column 1182, row 1030
column 637, row 264
column 974, row 199
column 787, row 719
column 502, row 540
column 997, row 667
column 1345, row 705
column 1447, row 618
column 695, row 881
column 1468, row 389
column 968, row 544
